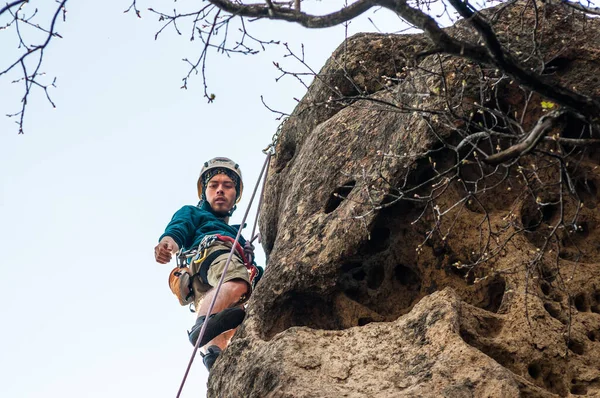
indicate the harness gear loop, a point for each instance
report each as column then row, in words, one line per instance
column 180, row 280
column 204, row 254
column 218, row 288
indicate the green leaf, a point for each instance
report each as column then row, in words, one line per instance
column 547, row 105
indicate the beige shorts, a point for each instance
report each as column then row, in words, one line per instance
column 236, row 270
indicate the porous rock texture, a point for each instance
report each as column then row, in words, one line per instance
column 359, row 298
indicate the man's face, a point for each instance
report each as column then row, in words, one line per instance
column 220, row 193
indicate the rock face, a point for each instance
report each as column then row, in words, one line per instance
column 402, row 265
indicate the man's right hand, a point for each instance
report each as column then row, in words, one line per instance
column 165, row 250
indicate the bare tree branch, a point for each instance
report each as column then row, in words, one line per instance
column 292, row 15
column 8, row 6
column 580, row 7
column 545, row 123
column 133, row 7
column 493, row 53
column 30, row 77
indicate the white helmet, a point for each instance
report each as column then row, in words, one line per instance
column 221, row 163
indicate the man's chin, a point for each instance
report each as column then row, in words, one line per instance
column 221, row 208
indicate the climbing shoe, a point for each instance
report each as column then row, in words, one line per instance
column 229, row 318
column 212, row 353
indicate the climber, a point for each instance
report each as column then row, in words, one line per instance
column 206, row 227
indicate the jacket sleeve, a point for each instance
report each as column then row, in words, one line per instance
column 182, row 227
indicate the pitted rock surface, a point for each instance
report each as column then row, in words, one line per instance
column 354, row 303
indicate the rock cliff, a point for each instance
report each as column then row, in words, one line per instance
column 400, row 263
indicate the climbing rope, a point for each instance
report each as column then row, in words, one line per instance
column 269, row 153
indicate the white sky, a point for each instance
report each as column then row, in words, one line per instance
column 87, row 190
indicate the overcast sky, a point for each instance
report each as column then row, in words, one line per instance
column 87, row 190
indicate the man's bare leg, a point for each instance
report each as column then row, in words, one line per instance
column 229, row 295
column 221, row 340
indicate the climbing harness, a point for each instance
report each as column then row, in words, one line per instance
column 181, row 279
column 264, row 170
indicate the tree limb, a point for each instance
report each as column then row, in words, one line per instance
column 291, row 15
column 575, row 141
column 51, row 34
column 8, row 6
column 30, row 78
column 545, row 123
column 493, row 52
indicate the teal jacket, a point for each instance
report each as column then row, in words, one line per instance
column 192, row 223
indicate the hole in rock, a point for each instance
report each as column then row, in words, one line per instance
column 375, row 276
column 576, row 128
column 553, row 310
column 587, row 192
column 494, row 351
column 406, row 276
column 422, row 172
column 350, row 266
column 581, row 303
column 487, row 294
column 349, row 285
column 350, row 273
column 569, row 254
column 380, row 287
column 548, row 212
column 548, row 274
column 380, row 240
column 596, row 306
column 592, row 335
column 579, row 389
column 471, row 172
column 495, row 294
column 531, row 219
column 545, row 288
column 439, row 249
column 555, row 383
column 364, row 321
column 302, row 309
column 358, row 274
column 284, row 154
column 338, row 196
column 534, row 370
column 577, row 347
column 556, row 64
column 597, row 297
column 479, row 333
column 488, row 326
column 583, row 229
column 536, row 217
column 470, row 277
